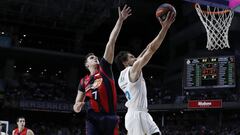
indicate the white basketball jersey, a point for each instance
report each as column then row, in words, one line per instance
column 2, row 133
column 136, row 93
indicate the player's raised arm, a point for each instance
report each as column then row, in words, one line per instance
column 110, row 47
column 152, row 47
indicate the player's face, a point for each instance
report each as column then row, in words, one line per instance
column 21, row 123
column 131, row 59
column 92, row 60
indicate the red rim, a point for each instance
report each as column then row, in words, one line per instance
column 213, row 12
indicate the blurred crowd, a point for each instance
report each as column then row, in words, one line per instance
column 53, row 88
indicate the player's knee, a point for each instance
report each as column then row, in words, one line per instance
column 156, row 133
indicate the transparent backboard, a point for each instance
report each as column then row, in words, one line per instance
column 5, row 125
column 224, row 4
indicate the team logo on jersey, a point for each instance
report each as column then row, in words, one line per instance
column 97, row 75
column 94, row 85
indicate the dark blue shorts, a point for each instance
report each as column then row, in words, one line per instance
column 101, row 124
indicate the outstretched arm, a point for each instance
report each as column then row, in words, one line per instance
column 152, row 47
column 109, row 50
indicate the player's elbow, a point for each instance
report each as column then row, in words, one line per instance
column 77, row 108
column 76, row 111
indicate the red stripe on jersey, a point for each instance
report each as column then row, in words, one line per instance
column 113, row 88
column 114, row 91
column 24, row 132
column 104, row 98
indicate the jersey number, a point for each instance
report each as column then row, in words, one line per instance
column 128, row 95
column 94, row 95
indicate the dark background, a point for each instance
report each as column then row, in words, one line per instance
column 43, row 43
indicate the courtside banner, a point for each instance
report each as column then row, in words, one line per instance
column 217, row 103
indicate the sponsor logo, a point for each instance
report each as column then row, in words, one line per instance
column 94, row 85
column 205, row 103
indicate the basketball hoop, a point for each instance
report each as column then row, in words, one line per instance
column 216, row 22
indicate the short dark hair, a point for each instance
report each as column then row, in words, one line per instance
column 120, row 58
column 20, row 117
column 86, row 57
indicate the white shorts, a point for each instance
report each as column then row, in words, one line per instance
column 140, row 123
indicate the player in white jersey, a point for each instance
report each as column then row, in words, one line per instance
column 137, row 120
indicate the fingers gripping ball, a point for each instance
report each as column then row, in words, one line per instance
column 163, row 10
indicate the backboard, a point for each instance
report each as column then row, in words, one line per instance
column 6, row 125
column 224, row 4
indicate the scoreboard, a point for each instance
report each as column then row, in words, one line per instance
column 209, row 72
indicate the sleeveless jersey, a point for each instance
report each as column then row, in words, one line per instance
column 136, row 93
column 100, row 89
column 24, row 131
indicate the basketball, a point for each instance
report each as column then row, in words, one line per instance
column 163, row 10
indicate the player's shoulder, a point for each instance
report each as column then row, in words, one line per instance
column 123, row 78
column 123, row 73
column 13, row 131
column 126, row 69
column 30, row 132
column 84, row 79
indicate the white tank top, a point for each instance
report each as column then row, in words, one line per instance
column 2, row 133
column 136, row 93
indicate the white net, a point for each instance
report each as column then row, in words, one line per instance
column 216, row 22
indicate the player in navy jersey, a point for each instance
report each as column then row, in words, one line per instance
column 98, row 88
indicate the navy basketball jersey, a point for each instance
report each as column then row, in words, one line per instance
column 100, row 89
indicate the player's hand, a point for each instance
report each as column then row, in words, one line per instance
column 77, row 107
column 125, row 13
column 168, row 21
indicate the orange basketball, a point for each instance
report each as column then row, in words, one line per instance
column 163, row 10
